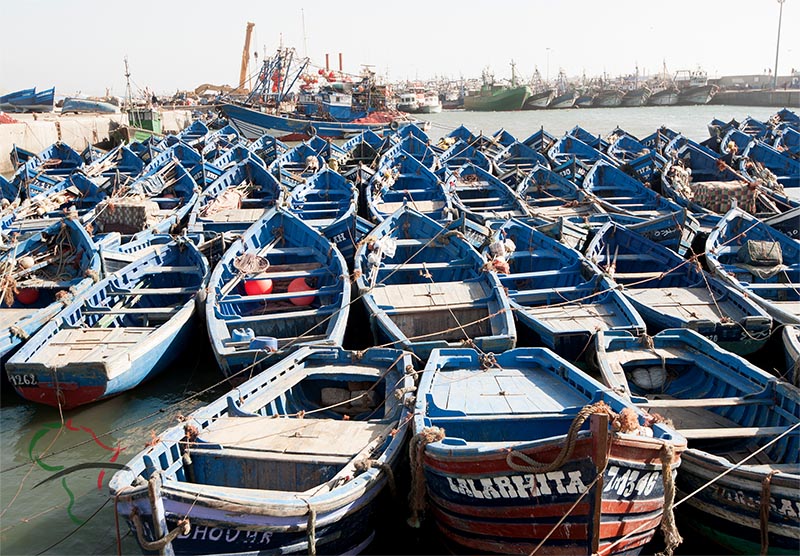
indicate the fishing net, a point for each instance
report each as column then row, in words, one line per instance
column 249, row 263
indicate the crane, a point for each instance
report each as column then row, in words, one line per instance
column 245, row 55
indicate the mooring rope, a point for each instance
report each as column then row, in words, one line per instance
column 416, row 452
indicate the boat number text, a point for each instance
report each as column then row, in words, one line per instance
column 28, row 379
column 532, row 485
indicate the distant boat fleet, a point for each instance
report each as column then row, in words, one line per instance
column 492, row 271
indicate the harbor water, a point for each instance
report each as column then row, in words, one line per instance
column 72, row 513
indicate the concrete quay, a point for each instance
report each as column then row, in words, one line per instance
column 36, row 132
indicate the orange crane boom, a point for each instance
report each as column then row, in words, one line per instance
column 245, row 55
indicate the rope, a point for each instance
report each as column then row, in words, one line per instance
column 672, row 538
column 311, row 529
column 183, row 528
column 766, row 484
column 416, row 451
column 365, row 464
column 532, row 466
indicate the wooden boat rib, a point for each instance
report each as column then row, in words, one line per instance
column 728, row 410
column 125, row 329
column 481, row 427
column 292, row 461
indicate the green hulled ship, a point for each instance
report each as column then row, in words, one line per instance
column 495, row 98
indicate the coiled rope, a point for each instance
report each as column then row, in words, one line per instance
column 416, row 451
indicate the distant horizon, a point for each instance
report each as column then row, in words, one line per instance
column 80, row 46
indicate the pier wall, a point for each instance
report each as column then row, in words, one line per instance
column 782, row 98
column 37, row 132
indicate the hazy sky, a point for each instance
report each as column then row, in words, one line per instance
column 79, row 45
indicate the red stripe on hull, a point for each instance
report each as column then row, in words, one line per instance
column 69, row 398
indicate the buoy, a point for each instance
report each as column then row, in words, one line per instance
column 300, row 285
column 258, row 286
column 26, row 262
column 28, row 296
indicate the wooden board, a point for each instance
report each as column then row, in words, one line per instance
column 686, row 303
column 10, row 317
column 309, row 436
column 424, row 296
column 86, row 345
column 420, row 206
column 578, row 315
column 236, row 215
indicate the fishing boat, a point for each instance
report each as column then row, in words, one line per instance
column 564, row 100
column 636, row 97
column 483, row 197
column 43, row 171
column 791, row 345
column 670, row 292
column 494, row 97
column 608, row 98
column 279, row 286
column 700, row 94
column 294, row 461
column 517, row 455
column 556, row 295
column 539, row 99
column 235, row 200
column 461, row 153
column 617, row 192
column 513, row 164
column 572, row 157
column 124, row 330
column 28, row 100
column 424, row 288
column 41, row 273
column 759, row 261
column 404, row 180
column 667, row 96
column 296, row 165
column 328, row 203
column 741, row 426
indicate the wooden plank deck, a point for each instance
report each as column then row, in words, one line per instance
column 9, row 316
column 329, row 437
column 578, row 315
column 422, row 296
column 686, row 303
column 72, row 345
column 236, row 215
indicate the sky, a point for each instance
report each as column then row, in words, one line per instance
column 79, row 46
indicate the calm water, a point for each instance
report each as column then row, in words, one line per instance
column 74, row 516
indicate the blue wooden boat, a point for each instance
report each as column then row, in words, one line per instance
column 482, row 196
column 156, row 203
column 759, row 261
column 279, row 286
column 697, row 179
column 515, row 162
column 788, row 141
column 540, row 140
column 551, row 196
column 791, row 345
column 115, row 168
column 235, row 200
column 784, row 169
column 328, row 203
column 618, row 192
column 511, row 463
column 460, row 153
column 412, row 146
column 572, row 158
column 360, row 156
column 404, row 180
column 424, row 288
column 670, row 292
column 43, row 171
column 267, row 148
column 125, row 329
column 741, row 424
column 556, row 295
column 45, row 269
column 201, row 171
column 296, row 165
column 28, row 100
column 252, row 124
column 294, row 461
